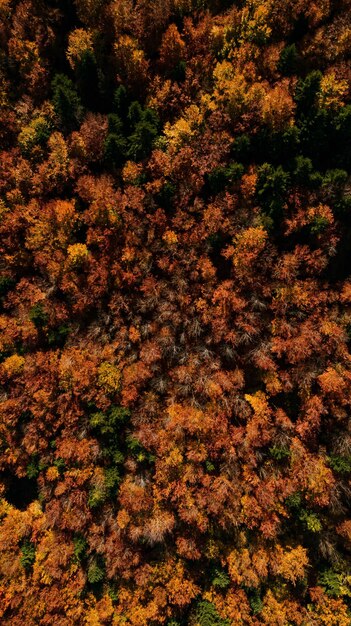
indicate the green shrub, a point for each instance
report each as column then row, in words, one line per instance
column 57, row 336
column 32, row 469
column 304, row 173
column 115, row 149
column 279, row 453
column 109, row 423
column 135, row 113
column 166, row 195
column 96, row 572
column 138, row 451
column 220, row 177
column 66, row 102
column 331, row 582
column 80, row 548
column 311, row 521
column 34, row 135
column 289, row 61
column 115, row 124
column 271, row 189
column 144, row 124
column 221, row 579
column 38, row 315
column 340, row 464
column 6, row 284
column 121, row 102
column 28, row 555
column 207, row 615
column 97, row 496
column 319, row 224
column 112, row 478
column 255, row 602
column 210, row 467
column 294, row 501
column 333, row 184
column 240, row 149
column 60, row 465
column 306, row 93
column 140, row 141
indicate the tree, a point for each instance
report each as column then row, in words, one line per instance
column 66, row 101
column 88, row 80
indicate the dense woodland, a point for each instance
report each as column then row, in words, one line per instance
column 175, row 312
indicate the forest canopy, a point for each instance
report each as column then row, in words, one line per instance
column 175, row 312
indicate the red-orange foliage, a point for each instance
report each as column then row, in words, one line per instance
column 175, row 313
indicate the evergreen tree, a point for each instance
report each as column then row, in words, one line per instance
column 66, row 102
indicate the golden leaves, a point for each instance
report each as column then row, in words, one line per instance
column 77, row 253
column 236, row 92
column 289, row 563
column 131, row 60
column 249, row 567
column 332, row 91
column 255, row 21
column 170, row 237
column 79, row 42
column 184, row 128
column 131, row 172
column 258, row 402
column 332, row 381
column 14, row 364
column 278, row 107
column 109, row 377
column 248, row 245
